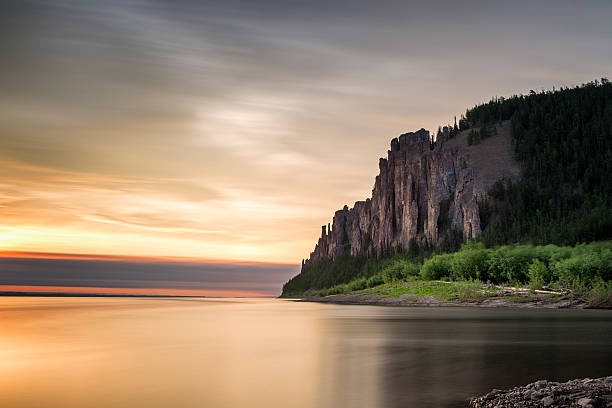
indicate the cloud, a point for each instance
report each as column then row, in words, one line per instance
column 235, row 129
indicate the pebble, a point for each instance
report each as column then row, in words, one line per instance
column 583, row 393
column 536, row 395
column 583, row 402
column 540, row 384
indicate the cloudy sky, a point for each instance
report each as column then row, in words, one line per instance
column 231, row 130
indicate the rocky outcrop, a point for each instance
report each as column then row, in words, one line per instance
column 586, row 393
column 422, row 191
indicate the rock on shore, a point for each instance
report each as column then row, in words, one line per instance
column 586, row 393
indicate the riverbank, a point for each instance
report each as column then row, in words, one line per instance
column 585, row 393
column 440, row 293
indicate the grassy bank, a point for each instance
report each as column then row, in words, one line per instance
column 440, row 293
column 475, row 273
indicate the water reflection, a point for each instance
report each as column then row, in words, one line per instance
column 440, row 357
column 72, row 352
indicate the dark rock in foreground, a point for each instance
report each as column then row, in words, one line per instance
column 586, row 393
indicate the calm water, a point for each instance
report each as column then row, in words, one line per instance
column 71, row 352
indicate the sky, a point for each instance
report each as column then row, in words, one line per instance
column 232, row 130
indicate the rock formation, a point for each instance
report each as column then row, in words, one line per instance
column 420, row 194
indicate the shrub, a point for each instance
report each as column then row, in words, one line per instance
column 437, row 267
column 375, row 281
column 538, row 274
column 601, row 294
column 559, row 253
column 358, row 284
column 510, row 263
column 411, row 269
column 584, row 267
column 470, row 264
column 393, row 272
column 335, row 290
column 399, row 270
column 470, row 291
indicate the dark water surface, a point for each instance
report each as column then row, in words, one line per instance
column 84, row 352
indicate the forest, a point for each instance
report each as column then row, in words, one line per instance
column 563, row 140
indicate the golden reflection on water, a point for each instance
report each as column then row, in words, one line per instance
column 151, row 352
column 88, row 352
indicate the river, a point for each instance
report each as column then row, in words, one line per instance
column 179, row 352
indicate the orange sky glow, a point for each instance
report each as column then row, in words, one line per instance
column 124, row 258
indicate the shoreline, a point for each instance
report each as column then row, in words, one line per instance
column 419, row 293
column 431, row 301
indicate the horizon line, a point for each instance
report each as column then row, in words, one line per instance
column 109, row 291
column 130, row 258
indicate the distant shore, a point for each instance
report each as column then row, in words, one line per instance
column 96, row 295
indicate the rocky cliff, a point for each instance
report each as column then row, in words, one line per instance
column 420, row 194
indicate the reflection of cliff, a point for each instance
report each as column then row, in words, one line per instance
column 421, row 193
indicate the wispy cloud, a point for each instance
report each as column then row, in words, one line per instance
column 234, row 129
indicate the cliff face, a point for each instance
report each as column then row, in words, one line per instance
column 420, row 193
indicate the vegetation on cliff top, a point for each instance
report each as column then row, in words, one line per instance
column 563, row 140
